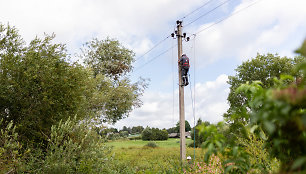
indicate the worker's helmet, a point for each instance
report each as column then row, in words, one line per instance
column 184, row 55
column 188, row 157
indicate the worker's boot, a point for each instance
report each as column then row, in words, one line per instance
column 183, row 80
column 186, row 81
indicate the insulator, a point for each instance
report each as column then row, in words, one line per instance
column 172, row 34
column 184, row 34
column 188, row 39
column 175, row 32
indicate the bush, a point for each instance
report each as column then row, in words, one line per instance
column 73, row 148
column 151, row 144
column 10, row 149
column 153, row 134
column 135, row 138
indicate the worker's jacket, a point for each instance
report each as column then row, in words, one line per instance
column 184, row 62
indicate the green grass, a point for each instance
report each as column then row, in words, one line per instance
column 171, row 142
column 163, row 159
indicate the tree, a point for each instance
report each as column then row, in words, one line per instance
column 262, row 68
column 152, row 134
column 137, row 129
column 111, row 63
column 38, row 86
column 199, row 139
column 187, row 127
column 108, row 57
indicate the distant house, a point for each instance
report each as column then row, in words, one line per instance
column 187, row 135
column 174, row 135
column 177, row 135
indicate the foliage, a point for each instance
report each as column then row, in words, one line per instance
column 196, row 136
column 110, row 63
column 259, row 156
column 73, row 148
column 10, row 149
column 151, row 144
column 38, row 87
column 137, row 129
column 262, row 68
column 246, row 155
column 280, row 112
column 187, row 127
column 137, row 137
column 108, row 57
column 213, row 167
column 152, row 134
column 124, row 134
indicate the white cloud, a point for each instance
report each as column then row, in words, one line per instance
column 160, row 111
column 77, row 21
column 276, row 26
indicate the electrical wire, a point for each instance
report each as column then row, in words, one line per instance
column 137, row 69
column 137, row 59
column 194, row 91
column 205, row 14
column 255, row 2
column 196, row 9
column 173, row 82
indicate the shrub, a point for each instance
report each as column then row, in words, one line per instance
column 135, row 138
column 152, row 134
column 214, row 166
column 10, row 149
column 73, row 148
column 151, row 144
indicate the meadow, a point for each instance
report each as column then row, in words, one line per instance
column 163, row 159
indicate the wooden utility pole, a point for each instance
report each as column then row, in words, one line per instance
column 181, row 94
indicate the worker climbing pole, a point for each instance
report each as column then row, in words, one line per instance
column 182, row 83
column 184, row 65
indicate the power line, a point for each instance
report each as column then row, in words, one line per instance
column 255, row 2
column 154, row 58
column 196, row 9
column 153, row 48
column 207, row 12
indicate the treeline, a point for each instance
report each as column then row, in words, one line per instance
column 152, row 134
column 125, row 132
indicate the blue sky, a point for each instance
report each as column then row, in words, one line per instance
column 274, row 26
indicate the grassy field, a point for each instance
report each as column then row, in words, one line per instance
column 171, row 142
column 163, row 159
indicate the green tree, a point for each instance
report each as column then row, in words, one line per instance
column 199, row 139
column 108, row 57
column 111, row 63
column 187, row 127
column 38, row 87
column 137, row 129
column 152, row 134
column 262, row 68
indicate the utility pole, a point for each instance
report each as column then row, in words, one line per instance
column 181, row 94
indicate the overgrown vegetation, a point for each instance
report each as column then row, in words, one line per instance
column 50, row 109
column 274, row 126
column 40, row 89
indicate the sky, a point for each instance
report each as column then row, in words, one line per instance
column 223, row 33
